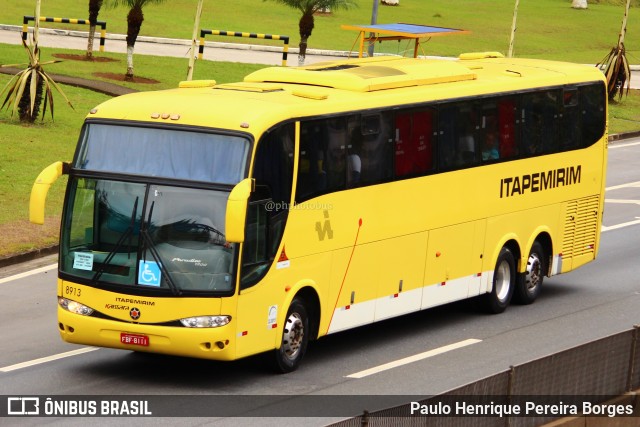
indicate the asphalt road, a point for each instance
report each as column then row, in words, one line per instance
column 598, row 300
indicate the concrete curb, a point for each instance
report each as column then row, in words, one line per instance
column 183, row 42
column 107, row 88
column 28, row 256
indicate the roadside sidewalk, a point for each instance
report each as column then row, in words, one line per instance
column 179, row 48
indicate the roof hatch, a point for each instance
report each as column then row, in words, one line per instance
column 367, row 75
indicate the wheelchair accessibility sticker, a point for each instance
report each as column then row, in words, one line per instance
column 149, row 273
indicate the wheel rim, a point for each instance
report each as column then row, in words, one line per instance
column 293, row 336
column 534, row 272
column 503, row 280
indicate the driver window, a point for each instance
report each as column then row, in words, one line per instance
column 269, row 204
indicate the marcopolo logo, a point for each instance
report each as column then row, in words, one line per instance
column 324, row 230
column 134, row 313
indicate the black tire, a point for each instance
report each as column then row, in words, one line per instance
column 295, row 338
column 530, row 283
column 504, row 281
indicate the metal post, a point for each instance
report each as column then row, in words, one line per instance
column 364, row 421
column 374, row 21
column 36, row 26
column 196, row 25
column 632, row 357
column 513, row 30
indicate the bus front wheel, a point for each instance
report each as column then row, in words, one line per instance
column 504, row 280
column 529, row 285
column 295, row 337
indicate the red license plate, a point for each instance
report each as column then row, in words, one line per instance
column 134, row 339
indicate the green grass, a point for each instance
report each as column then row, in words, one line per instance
column 624, row 114
column 27, row 149
column 546, row 28
column 166, row 70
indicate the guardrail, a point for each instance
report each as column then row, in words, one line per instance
column 102, row 24
column 599, row 372
column 285, row 39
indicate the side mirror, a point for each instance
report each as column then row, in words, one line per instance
column 41, row 187
column 236, row 215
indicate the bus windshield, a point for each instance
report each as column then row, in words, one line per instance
column 159, row 152
column 156, row 237
column 175, row 245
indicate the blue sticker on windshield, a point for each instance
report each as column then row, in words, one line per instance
column 149, row 273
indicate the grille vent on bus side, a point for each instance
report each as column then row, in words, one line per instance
column 580, row 227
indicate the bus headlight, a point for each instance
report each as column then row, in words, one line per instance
column 75, row 307
column 205, row 321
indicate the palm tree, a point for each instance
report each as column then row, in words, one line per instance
column 30, row 87
column 94, row 10
column 306, row 23
column 134, row 22
column 616, row 65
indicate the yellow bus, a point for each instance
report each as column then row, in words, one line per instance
column 219, row 221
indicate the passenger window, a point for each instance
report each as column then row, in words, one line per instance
column 337, row 139
column 571, row 121
column 414, row 143
column 489, row 133
column 592, row 108
column 371, row 147
column 312, row 177
column 508, row 128
column 459, row 137
column 343, row 152
column 540, row 122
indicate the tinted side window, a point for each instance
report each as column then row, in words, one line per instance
column 312, row 178
column 269, row 204
column 336, row 132
column 370, row 149
column 508, row 127
column 459, row 134
column 414, row 143
column 539, row 122
column 592, row 109
column 571, row 130
column 273, row 165
column 322, row 166
column 343, row 152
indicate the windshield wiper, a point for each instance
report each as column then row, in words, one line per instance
column 127, row 233
column 146, row 238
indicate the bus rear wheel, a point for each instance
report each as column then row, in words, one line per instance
column 529, row 285
column 295, row 338
column 504, row 280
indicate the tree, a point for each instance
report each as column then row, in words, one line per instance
column 307, row 22
column 29, row 87
column 94, row 10
column 134, row 22
column 616, row 65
